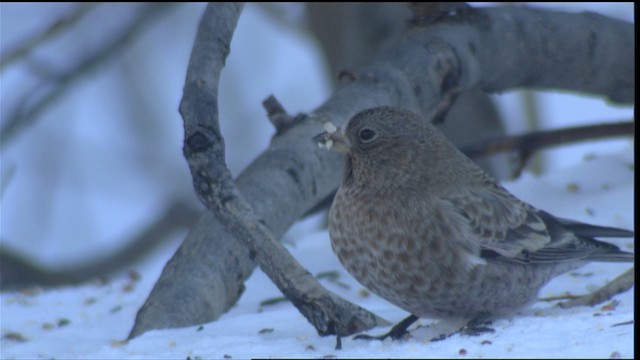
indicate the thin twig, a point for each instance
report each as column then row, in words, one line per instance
column 558, row 297
column 538, row 140
column 527, row 144
column 278, row 116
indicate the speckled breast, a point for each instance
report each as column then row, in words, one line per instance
column 387, row 253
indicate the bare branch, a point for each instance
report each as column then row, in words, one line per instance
column 526, row 145
column 537, row 140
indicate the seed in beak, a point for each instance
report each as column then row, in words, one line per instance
column 323, row 139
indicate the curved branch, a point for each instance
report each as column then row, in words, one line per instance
column 204, row 151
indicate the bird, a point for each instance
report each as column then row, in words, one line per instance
column 419, row 224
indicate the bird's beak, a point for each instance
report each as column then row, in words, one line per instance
column 333, row 139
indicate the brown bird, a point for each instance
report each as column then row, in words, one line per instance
column 419, row 224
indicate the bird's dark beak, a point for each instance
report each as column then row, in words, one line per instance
column 333, row 139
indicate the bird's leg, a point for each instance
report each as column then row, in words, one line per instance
column 396, row 332
column 338, row 342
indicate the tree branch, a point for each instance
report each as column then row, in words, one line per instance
column 278, row 116
column 535, row 48
column 532, row 142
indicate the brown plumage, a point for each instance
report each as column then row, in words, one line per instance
column 419, row 224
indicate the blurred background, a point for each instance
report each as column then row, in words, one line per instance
column 91, row 139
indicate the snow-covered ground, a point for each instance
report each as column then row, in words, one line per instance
column 90, row 321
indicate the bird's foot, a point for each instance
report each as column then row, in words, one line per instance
column 441, row 337
column 396, row 333
column 479, row 325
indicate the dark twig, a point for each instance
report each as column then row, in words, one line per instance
column 559, row 297
column 527, row 144
column 204, row 151
column 538, row 140
column 630, row 322
column 35, row 101
column 278, row 116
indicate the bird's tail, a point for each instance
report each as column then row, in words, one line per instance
column 607, row 252
column 588, row 230
column 604, row 251
column 612, row 256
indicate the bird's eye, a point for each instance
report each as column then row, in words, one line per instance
column 367, row 135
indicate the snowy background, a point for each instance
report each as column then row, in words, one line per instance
column 80, row 181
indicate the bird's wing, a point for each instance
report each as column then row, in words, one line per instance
column 500, row 222
column 506, row 228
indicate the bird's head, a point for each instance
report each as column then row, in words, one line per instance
column 384, row 146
